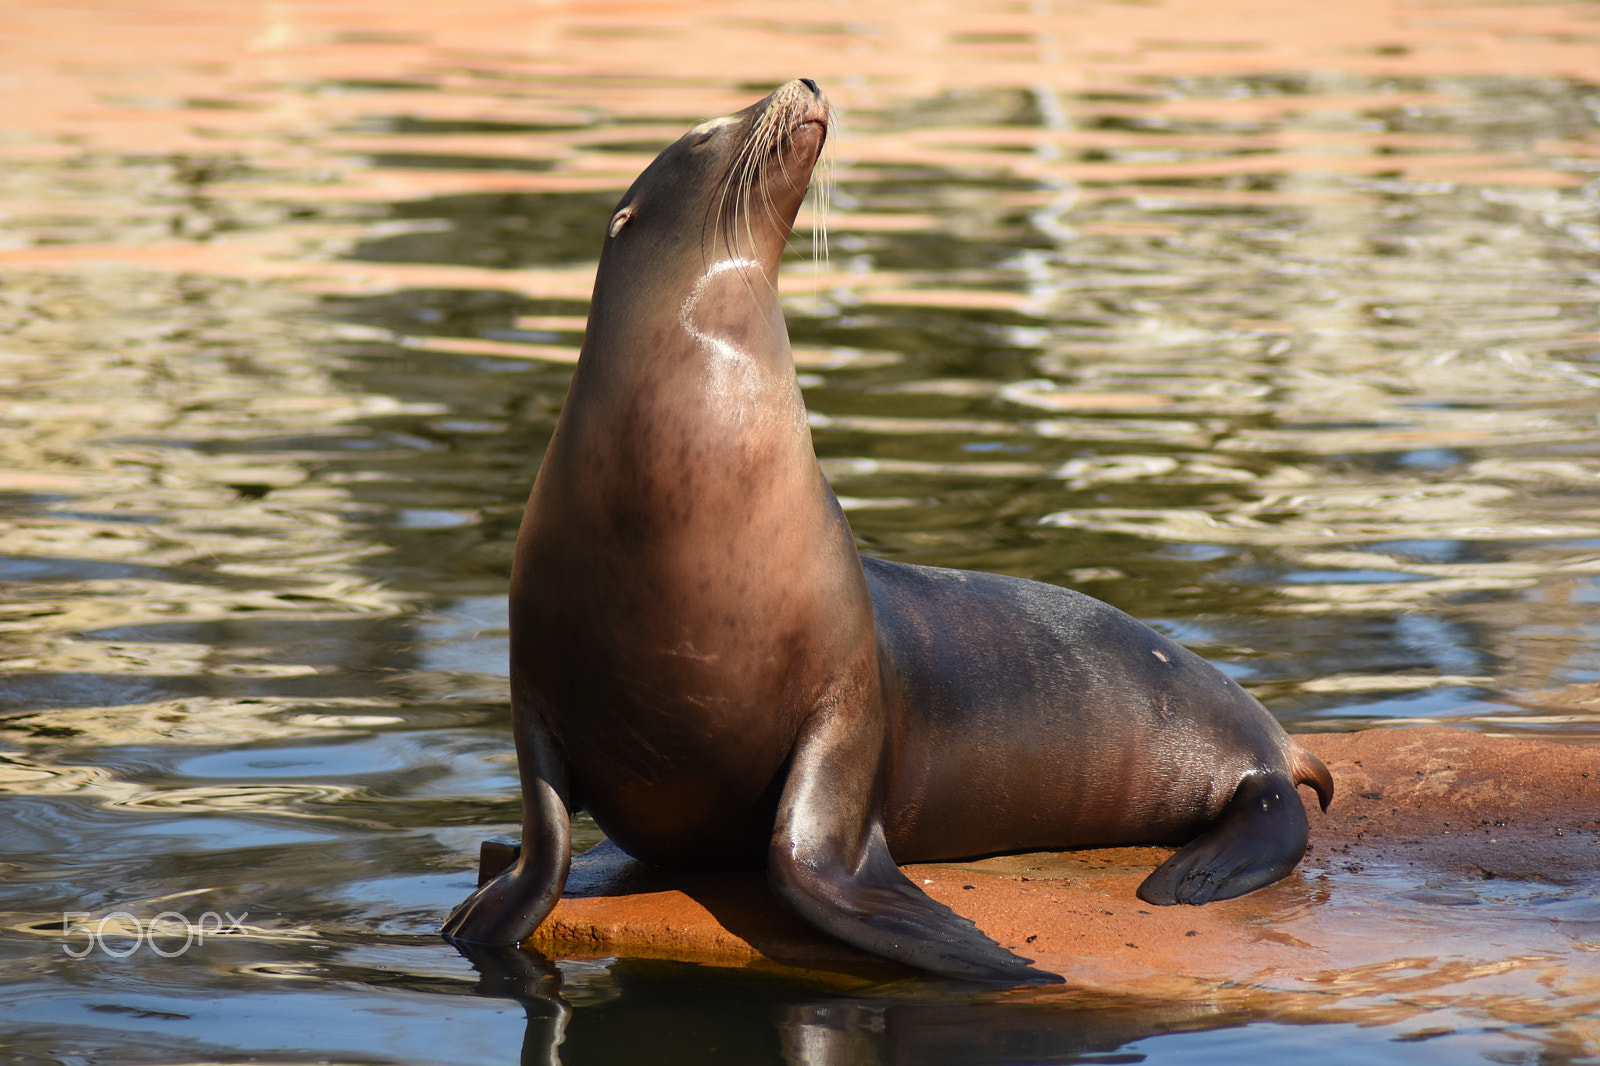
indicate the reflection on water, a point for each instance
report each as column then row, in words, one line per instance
column 1277, row 328
column 587, row 1013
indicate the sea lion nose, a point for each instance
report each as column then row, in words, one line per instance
column 809, row 84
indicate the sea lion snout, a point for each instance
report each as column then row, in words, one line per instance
column 807, row 101
column 791, row 125
column 817, row 112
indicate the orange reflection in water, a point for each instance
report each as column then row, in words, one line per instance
column 1238, row 265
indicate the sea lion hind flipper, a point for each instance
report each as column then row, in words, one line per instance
column 1306, row 769
column 1258, row 839
column 509, row 906
column 829, row 862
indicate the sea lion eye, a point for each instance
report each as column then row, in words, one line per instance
column 707, row 129
column 619, row 220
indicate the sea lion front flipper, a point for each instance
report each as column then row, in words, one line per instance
column 830, row 863
column 510, row 906
column 1258, row 839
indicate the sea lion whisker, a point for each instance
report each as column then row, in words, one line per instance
column 785, row 138
column 738, row 188
column 724, row 208
column 722, row 215
column 756, row 160
column 821, row 201
column 719, row 211
column 733, row 196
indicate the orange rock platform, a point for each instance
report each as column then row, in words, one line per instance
column 1451, row 865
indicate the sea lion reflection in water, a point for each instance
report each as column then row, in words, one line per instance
column 702, row 660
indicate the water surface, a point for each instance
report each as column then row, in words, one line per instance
column 1273, row 325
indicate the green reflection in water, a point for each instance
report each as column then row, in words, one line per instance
column 1266, row 377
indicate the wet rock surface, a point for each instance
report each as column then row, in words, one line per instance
column 1451, row 866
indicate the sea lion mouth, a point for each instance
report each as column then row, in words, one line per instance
column 772, row 169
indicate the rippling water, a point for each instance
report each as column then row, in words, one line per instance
column 1274, row 325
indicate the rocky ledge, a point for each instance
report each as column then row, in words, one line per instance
column 1452, row 866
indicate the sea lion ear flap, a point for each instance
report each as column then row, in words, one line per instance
column 620, row 220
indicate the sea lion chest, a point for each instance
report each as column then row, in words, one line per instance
column 683, row 579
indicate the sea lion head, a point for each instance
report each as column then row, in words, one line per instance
column 724, row 195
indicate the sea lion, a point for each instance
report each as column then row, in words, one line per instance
column 702, row 660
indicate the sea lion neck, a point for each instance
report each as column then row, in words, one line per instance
column 687, row 286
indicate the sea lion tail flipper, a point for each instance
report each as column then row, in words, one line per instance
column 1306, row 769
column 829, row 862
column 1258, row 839
column 508, row 906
